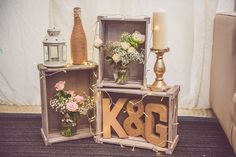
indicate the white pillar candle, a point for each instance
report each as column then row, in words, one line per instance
column 160, row 29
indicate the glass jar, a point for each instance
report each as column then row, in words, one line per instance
column 121, row 75
column 68, row 125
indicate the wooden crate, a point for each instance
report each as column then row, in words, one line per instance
column 78, row 78
column 169, row 99
column 110, row 31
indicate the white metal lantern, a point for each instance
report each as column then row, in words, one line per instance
column 54, row 47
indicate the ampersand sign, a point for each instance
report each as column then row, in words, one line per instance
column 133, row 124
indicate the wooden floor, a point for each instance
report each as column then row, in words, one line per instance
column 20, row 137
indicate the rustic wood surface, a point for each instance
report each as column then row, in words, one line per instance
column 77, row 78
column 170, row 93
column 168, row 99
column 110, row 31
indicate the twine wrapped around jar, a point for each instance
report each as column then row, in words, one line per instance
column 78, row 40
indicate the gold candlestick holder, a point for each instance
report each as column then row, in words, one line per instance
column 159, row 84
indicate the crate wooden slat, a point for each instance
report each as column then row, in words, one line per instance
column 130, row 84
column 55, row 137
column 79, row 78
column 110, row 31
column 138, row 142
column 169, row 98
column 67, row 68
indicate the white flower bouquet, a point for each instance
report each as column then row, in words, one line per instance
column 124, row 51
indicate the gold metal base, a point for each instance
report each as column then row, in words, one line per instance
column 159, row 86
column 159, row 69
column 160, row 50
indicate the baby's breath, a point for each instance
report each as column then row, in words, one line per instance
column 62, row 98
column 119, row 51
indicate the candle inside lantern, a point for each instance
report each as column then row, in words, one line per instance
column 160, row 29
column 54, row 53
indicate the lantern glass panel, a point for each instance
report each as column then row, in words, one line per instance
column 45, row 49
column 54, row 54
column 60, row 52
column 64, row 53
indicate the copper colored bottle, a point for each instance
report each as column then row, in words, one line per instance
column 78, row 40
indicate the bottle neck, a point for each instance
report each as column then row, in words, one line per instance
column 77, row 12
column 77, row 20
column 77, row 16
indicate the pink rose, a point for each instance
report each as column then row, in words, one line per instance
column 71, row 106
column 79, row 98
column 71, row 92
column 60, row 85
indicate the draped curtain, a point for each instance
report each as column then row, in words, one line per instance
column 203, row 22
column 22, row 28
column 24, row 23
column 203, row 16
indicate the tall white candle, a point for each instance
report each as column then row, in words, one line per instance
column 160, row 40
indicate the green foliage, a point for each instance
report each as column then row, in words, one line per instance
column 127, row 37
column 122, row 52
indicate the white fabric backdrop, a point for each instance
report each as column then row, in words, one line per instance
column 203, row 15
column 23, row 26
column 204, row 12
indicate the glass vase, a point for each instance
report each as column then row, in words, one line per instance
column 68, row 125
column 121, row 75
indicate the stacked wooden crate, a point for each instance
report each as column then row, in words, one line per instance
column 79, row 78
column 110, row 31
column 127, row 115
column 113, row 99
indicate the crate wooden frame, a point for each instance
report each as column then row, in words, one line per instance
column 170, row 97
column 85, row 74
column 110, row 30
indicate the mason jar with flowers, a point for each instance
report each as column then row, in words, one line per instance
column 70, row 106
column 122, row 52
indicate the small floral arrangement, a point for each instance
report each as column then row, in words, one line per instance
column 70, row 105
column 122, row 52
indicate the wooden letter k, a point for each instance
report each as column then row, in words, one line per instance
column 109, row 118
